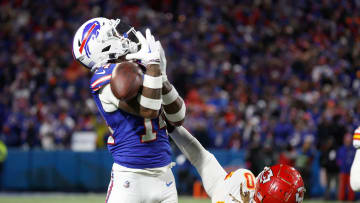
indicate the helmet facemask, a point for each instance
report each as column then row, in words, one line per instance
column 115, row 44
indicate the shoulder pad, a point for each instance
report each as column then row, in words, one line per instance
column 101, row 77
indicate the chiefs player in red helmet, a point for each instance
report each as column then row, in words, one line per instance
column 275, row 184
column 279, row 184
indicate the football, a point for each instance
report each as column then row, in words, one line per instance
column 126, row 80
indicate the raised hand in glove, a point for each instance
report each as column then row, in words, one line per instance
column 149, row 52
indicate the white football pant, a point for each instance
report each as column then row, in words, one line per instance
column 135, row 186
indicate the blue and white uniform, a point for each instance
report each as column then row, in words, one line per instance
column 139, row 146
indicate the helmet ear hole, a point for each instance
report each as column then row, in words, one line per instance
column 106, row 48
column 112, row 56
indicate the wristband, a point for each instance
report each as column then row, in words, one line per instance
column 178, row 116
column 170, row 97
column 153, row 104
column 164, row 78
column 152, row 82
column 155, row 61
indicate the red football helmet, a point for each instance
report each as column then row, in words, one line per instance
column 279, row 184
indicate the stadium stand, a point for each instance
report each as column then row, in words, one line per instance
column 257, row 76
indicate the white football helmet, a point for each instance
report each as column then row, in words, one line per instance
column 97, row 41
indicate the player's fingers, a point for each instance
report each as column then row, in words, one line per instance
column 151, row 39
column 153, row 44
column 132, row 56
column 148, row 34
column 143, row 42
column 141, row 37
column 162, row 52
column 158, row 44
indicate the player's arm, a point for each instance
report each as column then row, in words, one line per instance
column 150, row 98
column 211, row 172
column 173, row 105
column 148, row 103
column 355, row 168
column 355, row 172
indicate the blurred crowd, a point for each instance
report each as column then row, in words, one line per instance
column 279, row 79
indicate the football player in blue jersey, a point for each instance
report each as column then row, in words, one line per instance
column 139, row 142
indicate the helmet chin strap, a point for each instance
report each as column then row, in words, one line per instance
column 98, row 65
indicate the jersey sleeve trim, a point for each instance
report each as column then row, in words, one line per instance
column 100, row 80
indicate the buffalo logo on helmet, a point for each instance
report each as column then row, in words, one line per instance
column 91, row 32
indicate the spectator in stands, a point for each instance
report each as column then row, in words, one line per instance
column 328, row 163
column 261, row 156
column 338, row 130
column 288, row 156
column 11, row 136
column 345, row 157
column 235, row 141
column 46, row 134
column 305, row 159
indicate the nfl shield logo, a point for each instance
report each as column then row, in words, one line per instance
column 126, row 184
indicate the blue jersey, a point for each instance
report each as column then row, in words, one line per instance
column 135, row 142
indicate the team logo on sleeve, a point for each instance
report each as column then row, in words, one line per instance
column 91, row 32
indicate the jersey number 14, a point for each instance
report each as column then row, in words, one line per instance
column 150, row 132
